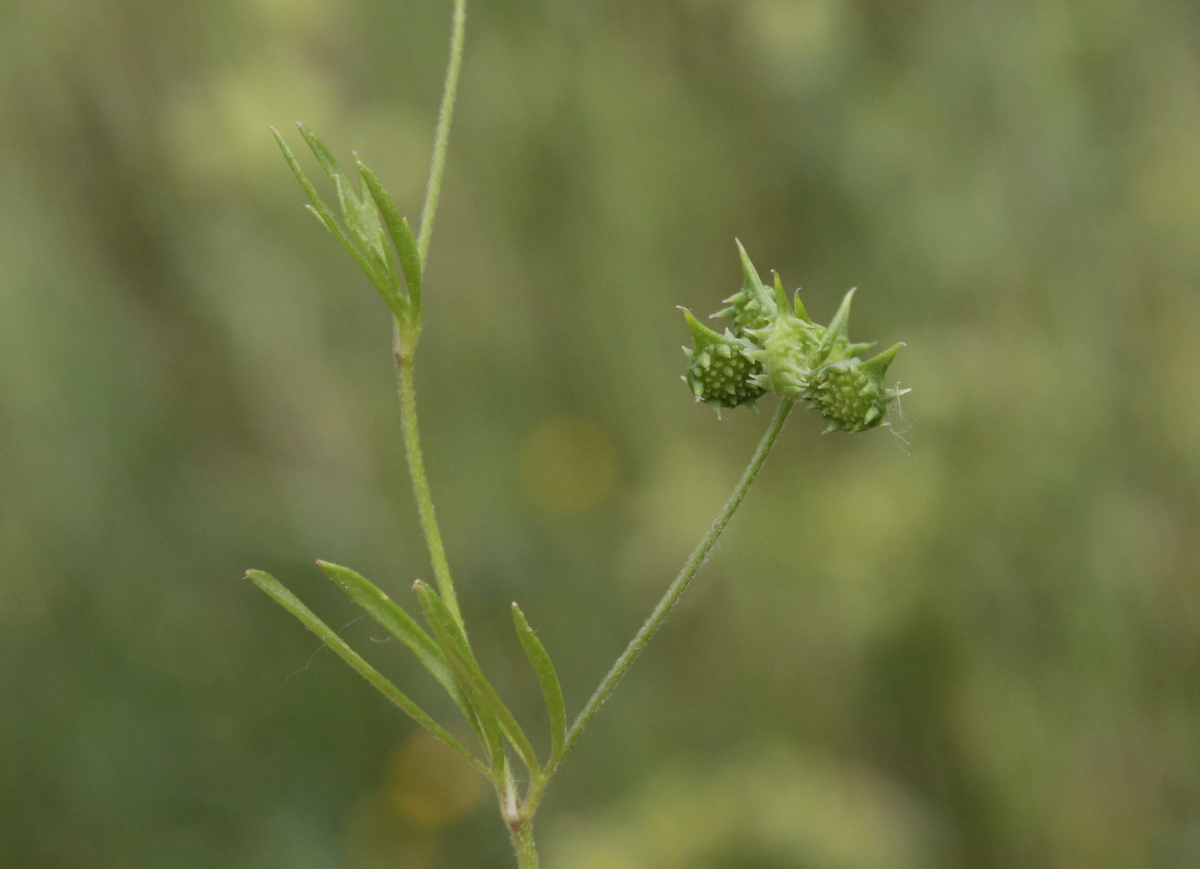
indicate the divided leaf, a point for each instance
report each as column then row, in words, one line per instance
column 453, row 641
column 309, row 619
column 324, row 215
column 363, row 236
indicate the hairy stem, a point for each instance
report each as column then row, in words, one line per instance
column 521, row 832
column 438, row 164
column 420, row 483
column 405, row 343
column 680, row 583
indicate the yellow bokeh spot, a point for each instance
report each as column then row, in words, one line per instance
column 429, row 786
column 568, row 465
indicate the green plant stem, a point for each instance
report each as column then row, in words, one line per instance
column 438, row 164
column 521, row 832
column 406, row 335
column 420, row 483
column 680, row 584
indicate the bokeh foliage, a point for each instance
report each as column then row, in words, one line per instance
column 985, row 656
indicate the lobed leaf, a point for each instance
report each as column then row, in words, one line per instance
column 309, row 619
column 453, row 641
column 380, row 275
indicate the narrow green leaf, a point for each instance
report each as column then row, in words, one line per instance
column 388, row 614
column 548, row 679
column 361, row 221
column 323, row 154
column 401, row 234
column 292, row 604
column 384, row 279
column 360, row 217
column 453, row 641
column 493, row 740
column 322, row 210
column 320, row 219
column 392, row 618
column 410, row 261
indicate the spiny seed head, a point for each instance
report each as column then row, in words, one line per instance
column 851, row 393
column 776, row 346
column 719, row 372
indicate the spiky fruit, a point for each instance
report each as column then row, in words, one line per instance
column 719, row 372
column 776, row 346
column 851, row 393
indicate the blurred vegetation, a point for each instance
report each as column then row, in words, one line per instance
column 984, row 656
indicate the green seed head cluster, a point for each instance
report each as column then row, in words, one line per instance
column 775, row 346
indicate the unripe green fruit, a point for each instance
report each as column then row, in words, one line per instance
column 776, row 346
column 851, row 394
column 719, row 372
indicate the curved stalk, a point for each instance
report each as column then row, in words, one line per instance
column 676, row 589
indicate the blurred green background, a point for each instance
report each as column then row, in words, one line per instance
column 982, row 651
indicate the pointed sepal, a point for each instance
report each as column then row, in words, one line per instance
column 799, row 307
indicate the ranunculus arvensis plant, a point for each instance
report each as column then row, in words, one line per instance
column 772, row 345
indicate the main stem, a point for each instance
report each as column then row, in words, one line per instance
column 680, row 583
column 405, row 343
column 420, row 483
column 522, row 840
